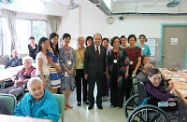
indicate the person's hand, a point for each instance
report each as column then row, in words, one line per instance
column 16, row 82
column 69, row 72
column 172, row 90
column 44, row 83
column 134, row 72
column 86, row 76
column 59, row 69
column 126, row 75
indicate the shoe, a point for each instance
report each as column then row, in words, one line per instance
column 90, row 107
column 100, row 107
column 69, row 106
column 79, row 103
column 111, row 106
column 86, row 102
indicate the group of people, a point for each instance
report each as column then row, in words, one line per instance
column 64, row 68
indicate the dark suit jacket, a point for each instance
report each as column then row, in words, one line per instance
column 94, row 63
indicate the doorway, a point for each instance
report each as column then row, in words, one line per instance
column 173, row 46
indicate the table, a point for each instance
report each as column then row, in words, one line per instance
column 6, row 118
column 179, row 79
column 6, row 74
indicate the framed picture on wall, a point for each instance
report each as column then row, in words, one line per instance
column 151, row 42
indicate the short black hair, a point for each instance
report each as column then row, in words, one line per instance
column 88, row 38
column 66, row 35
column 143, row 36
column 123, row 36
column 105, row 39
column 32, row 37
column 131, row 36
column 153, row 71
column 115, row 37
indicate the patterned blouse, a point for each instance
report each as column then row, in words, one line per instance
column 66, row 56
column 122, row 62
column 133, row 54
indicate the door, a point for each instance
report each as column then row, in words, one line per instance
column 174, row 46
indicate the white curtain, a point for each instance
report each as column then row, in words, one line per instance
column 10, row 17
column 53, row 23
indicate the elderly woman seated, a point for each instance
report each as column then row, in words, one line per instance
column 157, row 94
column 38, row 103
column 21, row 78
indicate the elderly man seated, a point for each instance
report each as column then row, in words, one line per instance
column 14, row 61
column 21, row 78
column 38, row 103
column 143, row 75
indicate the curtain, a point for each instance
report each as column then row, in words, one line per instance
column 10, row 17
column 53, row 23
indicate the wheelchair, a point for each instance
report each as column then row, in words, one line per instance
column 138, row 109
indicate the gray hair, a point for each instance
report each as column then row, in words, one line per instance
column 14, row 50
column 148, row 66
column 27, row 58
column 33, row 79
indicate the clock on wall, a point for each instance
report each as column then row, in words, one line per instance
column 110, row 20
column 6, row 1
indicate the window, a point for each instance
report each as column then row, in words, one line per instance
column 24, row 29
column 39, row 29
column 23, row 32
column 6, row 37
column 27, row 28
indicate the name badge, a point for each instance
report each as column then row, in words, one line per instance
column 131, row 62
column 142, row 48
column 66, row 74
column 115, row 61
column 69, row 62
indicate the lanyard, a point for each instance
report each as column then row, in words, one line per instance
column 116, row 55
column 68, row 53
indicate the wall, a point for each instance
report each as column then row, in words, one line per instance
column 92, row 20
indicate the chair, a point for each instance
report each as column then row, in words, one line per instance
column 60, row 98
column 3, row 61
column 9, row 101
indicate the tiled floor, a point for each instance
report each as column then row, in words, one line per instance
column 82, row 114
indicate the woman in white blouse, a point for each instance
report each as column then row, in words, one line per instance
column 42, row 67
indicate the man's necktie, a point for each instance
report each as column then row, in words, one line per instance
column 97, row 51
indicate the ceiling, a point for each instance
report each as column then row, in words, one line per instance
column 142, row 7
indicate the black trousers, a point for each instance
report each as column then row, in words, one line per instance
column 91, row 84
column 81, row 83
column 116, row 92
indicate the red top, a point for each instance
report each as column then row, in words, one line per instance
column 133, row 54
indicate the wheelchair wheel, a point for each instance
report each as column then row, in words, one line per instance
column 133, row 92
column 131, row 104
column 147, row 113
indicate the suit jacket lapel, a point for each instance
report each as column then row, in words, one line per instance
column 93, row 50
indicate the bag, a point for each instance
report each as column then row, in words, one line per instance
column 8, row 83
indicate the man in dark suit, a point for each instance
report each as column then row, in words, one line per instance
column 94, row 69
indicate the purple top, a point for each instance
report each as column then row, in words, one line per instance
column 156, row 92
